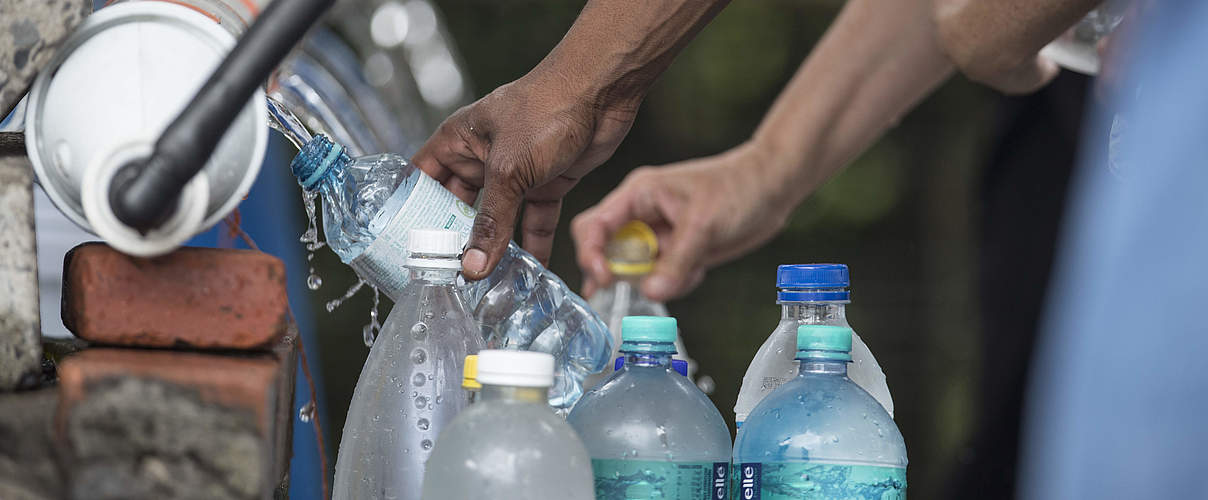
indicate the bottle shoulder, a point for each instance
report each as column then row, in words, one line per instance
column 651, row 413
column 821, row 417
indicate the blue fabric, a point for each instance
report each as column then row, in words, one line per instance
column 271, row 215
column 1119, row 391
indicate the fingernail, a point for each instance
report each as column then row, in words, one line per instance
column 475, row 261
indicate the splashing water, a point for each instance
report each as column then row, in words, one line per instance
column 283, row 120
column 307, row 412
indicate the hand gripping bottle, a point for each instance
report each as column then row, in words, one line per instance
column 369, row 204
column 409, row 388
column 630, row 254
column 651, row 432
column 509, row 444
column 820, row 436
column 809, row 294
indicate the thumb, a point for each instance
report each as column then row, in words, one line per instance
column 494, row 224
column 1029, row 77
column 676, row 268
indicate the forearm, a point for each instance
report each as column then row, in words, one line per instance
column 616, row 49
column 874, row 64
column 987, row 38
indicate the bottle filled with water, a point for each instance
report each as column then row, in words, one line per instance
column 809, row 294
column 370, row 203
column 650, row 431
column 820, row 436
column 510, row 444
column 409, row 388
column 630, row 254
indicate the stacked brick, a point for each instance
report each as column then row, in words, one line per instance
column 186, row 388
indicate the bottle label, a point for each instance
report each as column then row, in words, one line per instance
column 625, row 479
column 815, row 481
column 428, row 206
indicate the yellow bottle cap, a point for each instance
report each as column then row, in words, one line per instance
column 469, row 374
column 632, row 249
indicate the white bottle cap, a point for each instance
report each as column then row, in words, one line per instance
column 515, row 368
column 439, row 248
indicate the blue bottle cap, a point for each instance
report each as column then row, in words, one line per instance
column 680, row 366
column 812, row 283
column 824, row 342
column 316, row 159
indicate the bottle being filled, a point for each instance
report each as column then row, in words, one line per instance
column 408, row 390
column 370, row 203
column 510, row 444
column 808, row 294
column 630, row 254
column 820, row 436
column 650, row 431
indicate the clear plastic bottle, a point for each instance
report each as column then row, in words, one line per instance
column 651, row 432
column 509, row 444
column 369, row 204
column 809, row 294
column 820, row 436
column 409, row 388
column 630, row 254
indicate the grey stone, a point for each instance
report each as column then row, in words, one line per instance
column 28, row 459
column 20, row 334
column 132, row 438
column 30, row 32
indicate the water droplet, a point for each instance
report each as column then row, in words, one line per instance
column 419, row 331
column 314, row 282
column 426, row 444
column 307, row 412
column 418, row 356
column 834, row 439
column 421, row 402
column 367, row 334
column 439, row 399
column 422, row 424
column 429, row 315
column 418, row 379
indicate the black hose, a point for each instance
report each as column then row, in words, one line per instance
column 142, row 197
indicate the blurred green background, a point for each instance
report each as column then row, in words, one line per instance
column 901, row 216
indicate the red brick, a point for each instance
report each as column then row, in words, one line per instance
column 140, row 423
column 203, row 298
column 248, row 383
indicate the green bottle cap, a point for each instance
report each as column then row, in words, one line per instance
column 824, row 342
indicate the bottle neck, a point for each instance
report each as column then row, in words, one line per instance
column 433, row 275
column 823, row 367
column 513, row 394
column 649, row 359
column 815, row 313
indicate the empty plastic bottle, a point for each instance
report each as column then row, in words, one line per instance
column 820, row 436
column 651, row 432
column 630, row 255
column 410, row 387
column 809, row 294
column 509, row 444
column 369, row 204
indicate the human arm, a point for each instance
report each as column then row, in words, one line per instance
column 530, row 141
column 873, row 65
column 997, row 42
